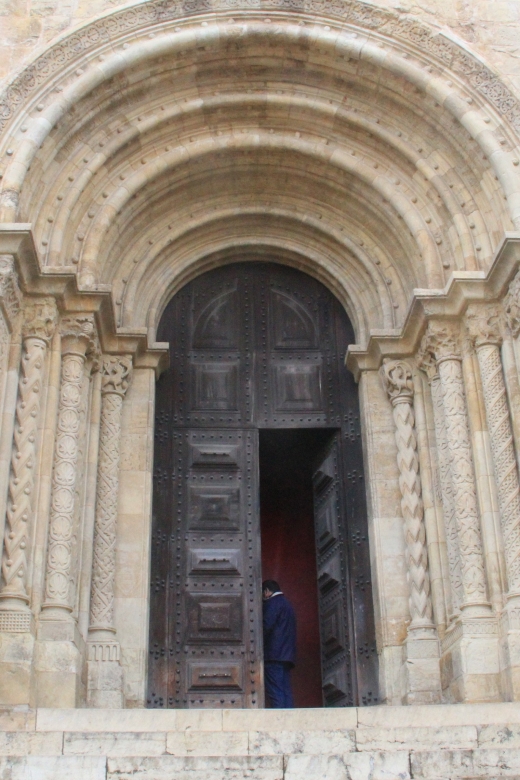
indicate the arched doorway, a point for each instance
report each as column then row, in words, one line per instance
column 258, row 464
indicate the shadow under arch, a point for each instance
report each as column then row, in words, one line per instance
column 256, row 348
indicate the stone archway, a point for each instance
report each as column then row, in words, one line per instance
column 350, row 141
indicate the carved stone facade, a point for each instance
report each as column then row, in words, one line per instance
column 356, row 142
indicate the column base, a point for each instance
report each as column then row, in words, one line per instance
column 104, row 675
column 470, row 670
column 16, row 656
column 510, row 650
column 58, row 663
column 422, row 673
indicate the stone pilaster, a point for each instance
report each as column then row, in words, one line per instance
column 16, row 622
column 58, row 656
column 470, row 646
column 105, row 674
column 423, row 683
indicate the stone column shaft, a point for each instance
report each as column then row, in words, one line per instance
column 443, row 343
column 77, row 334
column 38, row 327
column 423, row 673
column 470, row 645
column 105, row 677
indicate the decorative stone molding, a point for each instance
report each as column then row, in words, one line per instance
column 442, row 342
column 115, row 378
column 77, row 334
column 398, row 383
column 484, row 327
column 388, row 22
column 40, row 317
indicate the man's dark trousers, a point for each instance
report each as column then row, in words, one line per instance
column 278, row 684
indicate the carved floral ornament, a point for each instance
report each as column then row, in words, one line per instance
column 440, row 342
column 78, row 333
column 363, row 15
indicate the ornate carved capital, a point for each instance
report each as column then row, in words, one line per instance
column 78, row 333
column 512, row 306
column 397, row 380
column 40, row 318
column 9, row 290
column 116, row 372
column 426, row 361
column 440, row 342
column 484, row 323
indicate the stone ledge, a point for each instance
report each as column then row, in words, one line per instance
column 143, row 720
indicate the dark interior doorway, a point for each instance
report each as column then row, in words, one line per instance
column 287, row 459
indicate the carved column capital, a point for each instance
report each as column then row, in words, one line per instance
column 116, row 372
column 397, row 380
column 484, row 324
column 426, row 361
column 78, row 333
column 512, row 306
column 9, row 290
column 441, row 341
column 40, row 318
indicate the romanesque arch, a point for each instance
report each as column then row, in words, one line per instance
column 359, row 145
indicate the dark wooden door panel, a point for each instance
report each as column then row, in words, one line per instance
column 251, row 345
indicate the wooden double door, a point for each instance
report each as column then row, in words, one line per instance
column 253, row 346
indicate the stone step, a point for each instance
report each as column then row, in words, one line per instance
column 380, row 743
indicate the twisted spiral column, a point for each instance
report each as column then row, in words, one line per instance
column 398, row 382
column 77, row 334
column 441, row 341
column 37, row 330
column 484, row 327
column 115, row 377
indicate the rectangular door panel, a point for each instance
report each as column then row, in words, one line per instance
column 218, row 605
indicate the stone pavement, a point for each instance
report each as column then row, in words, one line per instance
column 376, row 743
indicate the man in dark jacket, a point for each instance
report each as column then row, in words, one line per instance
column 279, row 645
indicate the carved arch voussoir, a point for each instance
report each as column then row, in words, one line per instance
column 118, row 25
